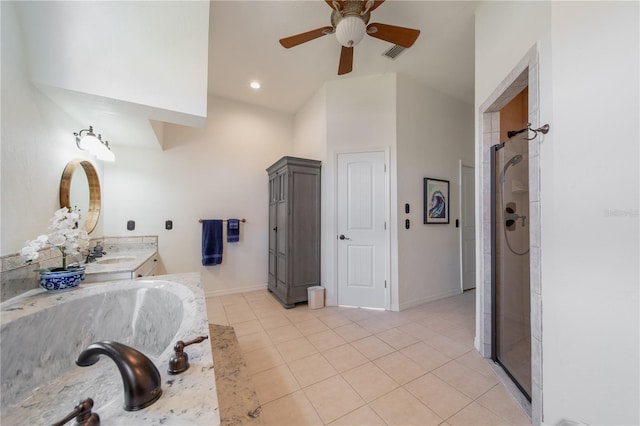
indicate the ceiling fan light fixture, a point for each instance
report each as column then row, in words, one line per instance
column 349, row 19
column 350, row 30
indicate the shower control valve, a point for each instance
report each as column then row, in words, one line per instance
column 510, row 218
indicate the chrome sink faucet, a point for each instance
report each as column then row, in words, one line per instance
column 98, row 250
column 140, row 377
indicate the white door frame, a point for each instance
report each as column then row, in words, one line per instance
column 463, row 163
column 387, row 216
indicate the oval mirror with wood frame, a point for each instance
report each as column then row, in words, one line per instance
column 80, row 189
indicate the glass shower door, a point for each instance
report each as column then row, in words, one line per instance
column 511, row 336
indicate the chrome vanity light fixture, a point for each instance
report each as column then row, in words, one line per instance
column 87, row 140
column 105, row 153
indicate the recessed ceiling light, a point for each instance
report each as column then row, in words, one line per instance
column 254, row 85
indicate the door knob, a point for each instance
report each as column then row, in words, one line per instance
column 342, row 237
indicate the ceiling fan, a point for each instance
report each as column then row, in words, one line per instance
column 349, row 20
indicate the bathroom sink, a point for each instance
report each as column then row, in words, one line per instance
column 115, row 260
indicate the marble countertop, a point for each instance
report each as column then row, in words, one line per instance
column 189, row 398
column 120, row 261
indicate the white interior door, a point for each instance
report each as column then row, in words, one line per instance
column 361, row 237
column 468, row 237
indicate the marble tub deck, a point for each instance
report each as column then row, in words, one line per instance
column 237, row 398
column 189, row 398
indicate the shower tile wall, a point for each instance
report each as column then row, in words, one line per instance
column 523, row 75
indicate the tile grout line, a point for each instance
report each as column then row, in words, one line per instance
column 418, row 319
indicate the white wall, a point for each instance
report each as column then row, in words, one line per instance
column 37, row 143
column 346, row 114
column 590, row 279
column 361, row 115
column 431, row 132
column 310, row 128
column 589, row 194
column 505, row 31
column 435, row 132
column 213, row 173
column 147, row 53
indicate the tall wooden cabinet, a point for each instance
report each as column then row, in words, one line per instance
column 294, row 228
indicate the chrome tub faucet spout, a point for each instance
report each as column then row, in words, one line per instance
column 140, row 377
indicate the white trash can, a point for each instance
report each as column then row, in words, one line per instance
column 315, row 297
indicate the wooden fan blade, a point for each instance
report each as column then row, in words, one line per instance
column 376, row 4
column 338, row 2
column 304, row 37
column 346, row 60
column 401, row 36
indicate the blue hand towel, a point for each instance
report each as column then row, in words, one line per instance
column 233, row 230
column 211, row 242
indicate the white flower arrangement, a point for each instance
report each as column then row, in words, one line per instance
column 64, row 235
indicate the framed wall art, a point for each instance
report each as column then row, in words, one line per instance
column 436, row 201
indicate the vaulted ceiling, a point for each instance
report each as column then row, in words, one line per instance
column 243, row 46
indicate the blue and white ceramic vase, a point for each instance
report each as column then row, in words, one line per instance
column 62, row 279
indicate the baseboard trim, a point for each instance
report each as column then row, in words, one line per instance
column 414, row 303
column 227, row 291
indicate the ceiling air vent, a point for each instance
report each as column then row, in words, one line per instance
column 394, row 51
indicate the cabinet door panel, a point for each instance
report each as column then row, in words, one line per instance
column 273, row 198
column 281, row 271
column 273, row 227
column 305, row 228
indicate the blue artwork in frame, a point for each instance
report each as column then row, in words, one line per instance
column 436, row 201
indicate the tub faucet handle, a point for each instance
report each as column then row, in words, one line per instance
column 83, row 415
column 179, row 362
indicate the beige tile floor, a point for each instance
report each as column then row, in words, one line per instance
column 349, row 366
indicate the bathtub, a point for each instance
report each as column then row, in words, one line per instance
column 42, row 334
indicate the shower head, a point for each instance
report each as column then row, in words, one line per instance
column 512, row 162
